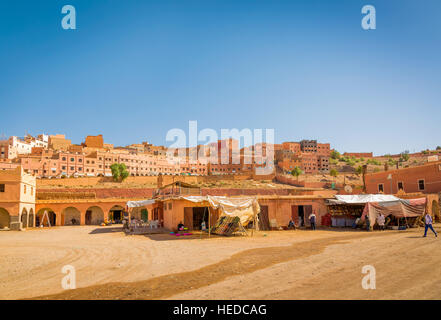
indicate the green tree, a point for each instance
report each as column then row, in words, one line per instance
column 296, row 172
column 119, row 171
column 438, row 148
column 404, row 157
column 335, row 155
column 333, row 172
column 359, row 170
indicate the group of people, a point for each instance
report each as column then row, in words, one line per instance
column 312, row 221
column 428, row 223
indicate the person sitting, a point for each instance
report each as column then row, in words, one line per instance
column 291, row 224
column 180, row 226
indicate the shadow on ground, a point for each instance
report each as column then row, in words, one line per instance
column 106, row 230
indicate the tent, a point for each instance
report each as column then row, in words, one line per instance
column 400, row 208
column 235, row 213
column 246, row 208
column 141, row 203
column 374, row 204
column 361, row 198
column 241, row 210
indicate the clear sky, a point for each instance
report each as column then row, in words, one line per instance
column 132, row 70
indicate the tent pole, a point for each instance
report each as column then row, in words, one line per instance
column 209, row 222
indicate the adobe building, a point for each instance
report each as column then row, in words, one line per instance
column 17, row 199
column 96, row 142
column 425, row 179
column 59, row 142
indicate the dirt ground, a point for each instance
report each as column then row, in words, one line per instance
column 322, row 264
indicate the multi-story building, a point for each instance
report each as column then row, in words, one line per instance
column 310, row 156
column 294, row 147
column 17, row 199
column 7, row 151
column 309, row 146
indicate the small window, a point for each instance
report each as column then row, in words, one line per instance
column 72, row 159
column 2, row 188
column 170, row 206
column 420, row 184
column 400, row 186
column 380, row 188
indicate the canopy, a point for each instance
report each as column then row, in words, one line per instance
column 142, row 203
column 246, row 208
column 362, row 198
column 400, row 209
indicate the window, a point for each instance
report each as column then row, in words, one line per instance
column 2, row 188
column 64, row 158
column 169, row 206
column 420, row 184
column 72, row 168
column 72, row 159
column 400, row 186
column 380, row 188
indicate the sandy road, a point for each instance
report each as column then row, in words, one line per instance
column 281, row 265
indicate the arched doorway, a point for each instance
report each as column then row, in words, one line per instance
column 435, row 211
column 94, row 215
column 116, row 214
column 31, row 219
column 40, row 215
column 5, row 219
column 24, row 218
column 72, row 216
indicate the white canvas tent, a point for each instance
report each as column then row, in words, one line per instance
column 362, row 198
column 246, row 208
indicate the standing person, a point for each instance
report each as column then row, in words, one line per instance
column 312, row 218
column 380, row 220
column 428, row 225
column 368, row 223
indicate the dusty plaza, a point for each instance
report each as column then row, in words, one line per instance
column 240, row 159
column 321, row 264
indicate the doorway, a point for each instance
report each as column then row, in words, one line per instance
column 264, row 223
column 298, row 213
column 200, row 214
column 88, row 217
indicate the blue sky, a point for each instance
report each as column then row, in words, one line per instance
column 135, row 69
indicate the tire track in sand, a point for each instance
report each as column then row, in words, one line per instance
column 240, row 263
